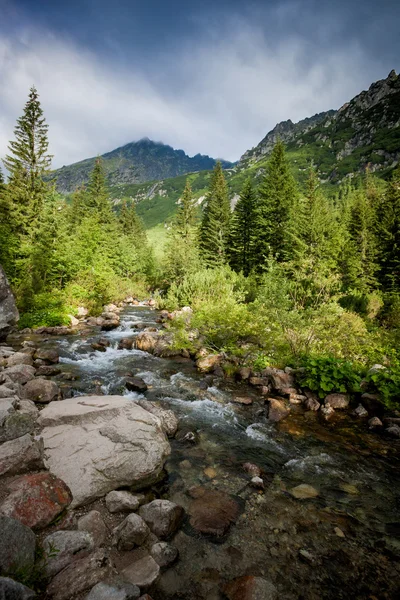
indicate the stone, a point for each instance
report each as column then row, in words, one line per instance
column 252, row 469
column 17, row 547
column 143, row 572
column 245, row 400
column 110, row 324
column 282, row 382
column 312, row 403
column 98, row 347
column 374, row 423
column 16, row 425
column 257, row 483
column 121, row 501
column 360, row 412
column 277, row 410
column 304, row 491
column 168, row 419
column 339, row 532
column 337, row 401
column 327, row 412
column 393, row 431
column 114, row 591
column 99, row 443
column 19, row 373
column 146, row 342
column 27, row 407
column 48, row 371
column 208, row 363
column 244, row 373
column 80, row 576
column 94, row 524
column 6, row 391
column 20, row 455
column 36, row 500
column 126, row 344
column 49, row 355
column 63, row 547
column 6, row 408
column 42, row 391
column 259, row 382
column 375, row 369
column 210, row 472
column 136, row 384
column 8, row 309
column 212, row 511
column 19, row 358
column 249, row 587
column 12, row 590
column 306, row 556
column 164, row 554
column 132, row 532
column 162, row 516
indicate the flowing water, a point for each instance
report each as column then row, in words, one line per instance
column 343, row 543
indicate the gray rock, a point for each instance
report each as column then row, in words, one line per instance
column 132, row 532
column 164, row 554
column 8, row 309
column 17, row 548
column 374, row 423
column 19, row 358
column 312, row 403
column 99, row 443
column 21, row 455
column 48, row 355
column 360, row 411
column 162, row 516
column 27, row 407
column 19, row 374
column 16, row 425
column 94, row 524
column 277, row 410
column 80, row 576
column 327, row 412
column 6, row 408
column 169, row 421
column 337, row 401
column 6, row 391
column 42, row 391
column 121, row 501
column 62, row 547
column 143, row 572
column 393, row 431
column 12, row 590
column 114, row 591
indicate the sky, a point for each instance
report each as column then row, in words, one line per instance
column 205, row 76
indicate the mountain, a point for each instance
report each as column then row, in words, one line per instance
column 136, row 162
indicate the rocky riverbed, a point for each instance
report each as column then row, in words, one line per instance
column 127, row 472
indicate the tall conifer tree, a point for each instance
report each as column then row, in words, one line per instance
column 214, row 230
column 97, row 195
column 243, row 229
column 388, row 225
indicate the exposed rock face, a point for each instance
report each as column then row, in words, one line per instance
column 8, row 309
column 162, row 516
column 99, row 443
column 36, row 500
column 212, row 511
column 251, row 588
column 169, row 420
column 17, row 548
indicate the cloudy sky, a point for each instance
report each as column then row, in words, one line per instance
column 209, row 76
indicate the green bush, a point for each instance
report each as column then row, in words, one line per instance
column 325, row 375
column 386, row 382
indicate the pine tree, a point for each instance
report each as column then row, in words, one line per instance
column 27, row 162
column 242, row 234
column 278, row 197
column 131, row 223
column 388, row 225
column 97, row 198
column 186, row 215
column 214, row 230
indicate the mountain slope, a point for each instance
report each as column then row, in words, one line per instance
column 136, row 162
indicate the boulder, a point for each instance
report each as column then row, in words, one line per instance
column 20, row 455
column 36, row 500
column 18, row 374
column 162, row 516
column 168, row 419
column 249, row 587
column 212, row 511
column 207, row 364
column 8, row 309
column 80, row 576
column 17, row 547
column 114, row 591
column 360, row 412
column 282, row 382
column 7, row 408
column 63, row 547
column 146, row 342
column 94, row 524
column 6, row 391
column 16, row 425
column 132, row 532
column 136, row 384
column 47, row 371
column 164, row 554
column 277, row 410
column 143, row 572
column 374, row 423
column 327, row 412
column 121, row 501
column 126, row 343
column 312, row 403
column 48, row 355
column 337, row 401
column 252, row 469
column 42, row 391
column 12, row 590
column 99, row 443
column 393, row 430
column 19, row 358
column 244, row 373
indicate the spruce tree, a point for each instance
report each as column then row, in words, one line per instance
column 243, row 228
column 277, row 199
column 214, row 230
column 131, row 224
column 388, row 226
column 186, row 215
column 27, row 163
column 97, row 198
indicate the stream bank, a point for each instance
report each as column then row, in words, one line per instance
column 323, row 521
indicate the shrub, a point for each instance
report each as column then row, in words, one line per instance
column 386, row 382
column 324, row 375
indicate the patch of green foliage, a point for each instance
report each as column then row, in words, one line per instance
column 328, row 374
column 386, row 382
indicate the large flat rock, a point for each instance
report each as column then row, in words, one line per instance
column 97, row 444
